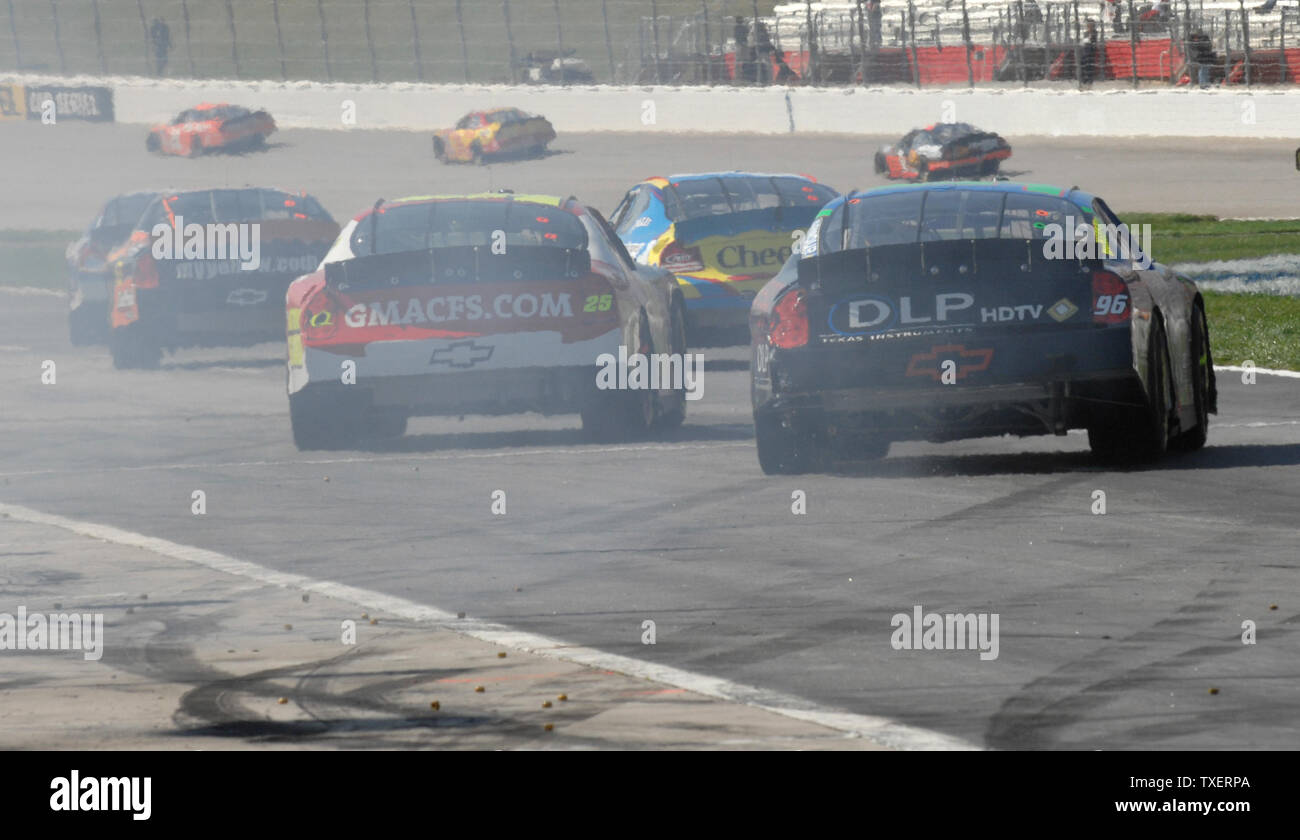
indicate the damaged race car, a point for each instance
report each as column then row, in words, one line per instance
column 499, row 133
column 941, row 312
column 723, row 234
column 211, row 127
column 490, row 303
column 90, row 280
column 209, row 268
column 943, row 150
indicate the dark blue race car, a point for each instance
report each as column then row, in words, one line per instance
column 946, row 311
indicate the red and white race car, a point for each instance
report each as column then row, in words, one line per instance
column 230, row 128
column 477, row 304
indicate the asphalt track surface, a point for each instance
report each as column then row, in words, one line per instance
column 1114, row 628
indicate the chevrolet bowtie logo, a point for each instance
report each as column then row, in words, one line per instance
column 462, row 354
column 246, row 297
column 967, row 361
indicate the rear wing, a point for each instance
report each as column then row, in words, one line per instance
column 962, row 261
column 733, row 224
column 464, row 264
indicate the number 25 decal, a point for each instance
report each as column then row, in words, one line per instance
column 1111, row 305
column 598, row 303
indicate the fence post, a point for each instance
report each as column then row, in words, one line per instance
column 1078, row 41
column 279, row 39
column 99, row 36
column 813, row 58
column 510, row 39
column 965, row 36
column 654, row 39
column 189, row 52
column 916, row 58
column 58, row 42
column 559, row 41
column 464, row 48
column 1227, row 45
column 370, row 42
column 1132, row 42
column 324, row 40
column 1020, row 36
column 862, row 42
column 234, row 40
column 144, row 30
column 708, row 47
column 415, row 41
column 609, row 44
column 13, row 30
column 1245, row 36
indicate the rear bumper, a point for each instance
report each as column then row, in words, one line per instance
column 1045, row 382
column 564, row 390
column 951, row 412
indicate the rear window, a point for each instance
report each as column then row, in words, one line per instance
column 942, row 215
column 123, row 212
column 694, row 199
column 450, row 224
column 246, row 205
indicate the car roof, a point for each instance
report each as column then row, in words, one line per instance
column 1072, row 194
column 702, row 176
column 565, row 204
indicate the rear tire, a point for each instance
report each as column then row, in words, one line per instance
column 622, row 415
column 439, row 150
column 87, row 325
column 1145, row 437
column 133, row 348
column 476, row 155
column 786, row 447
column 151, row 143
column 1202, row 369
column 320, row 422
column 675, row 416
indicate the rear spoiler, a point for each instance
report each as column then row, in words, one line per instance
column 733, row 224
column 946, row 261
column 464, row 264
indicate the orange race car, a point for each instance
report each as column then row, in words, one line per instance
column 231, row 128
column 502, row 132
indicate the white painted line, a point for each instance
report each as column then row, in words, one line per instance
column 404, row 458
column 879, row 730
column 1290, row 374
column 33, row 290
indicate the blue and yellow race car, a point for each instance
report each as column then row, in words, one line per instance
column 723, row 234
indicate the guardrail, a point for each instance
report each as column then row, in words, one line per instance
column 844, row 43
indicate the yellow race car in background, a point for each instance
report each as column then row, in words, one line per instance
column 502, row 132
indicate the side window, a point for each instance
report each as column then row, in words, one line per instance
column 1125, row 243
column 603, row 239
column 1027, row 216
column 637, row 202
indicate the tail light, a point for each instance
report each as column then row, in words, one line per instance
column 145, row 275
column 1110, row 298
column 675, row 258
column 789, row 326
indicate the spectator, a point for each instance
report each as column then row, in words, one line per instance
column 744, row 52
column 161, row 38
column 874, row 22
column 764, row 52
column 1200, row 55
column 784, row 75
column 1088, row 56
